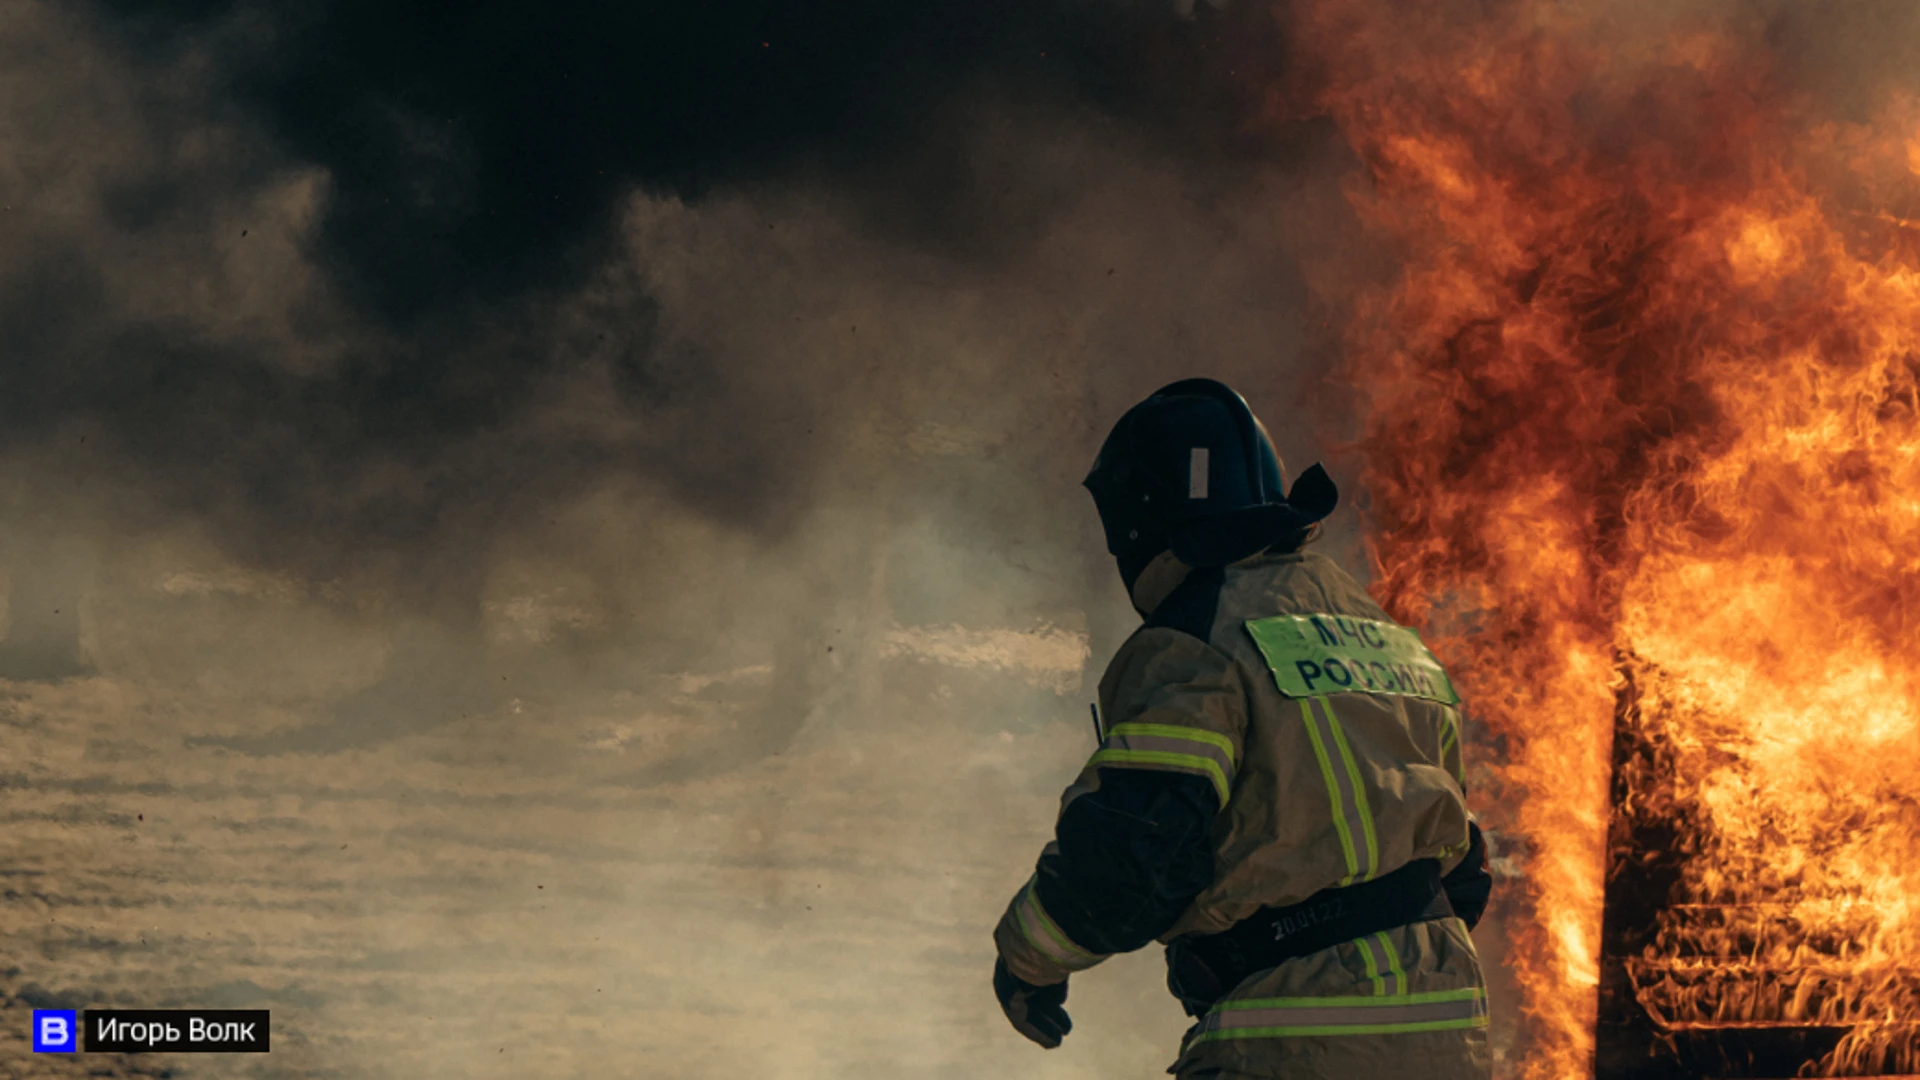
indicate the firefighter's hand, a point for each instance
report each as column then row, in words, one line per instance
column 1036, row 1011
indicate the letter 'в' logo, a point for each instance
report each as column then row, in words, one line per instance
column 54, row 1031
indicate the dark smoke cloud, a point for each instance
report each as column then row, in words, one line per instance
column 416, row 306
column 474, row 147
column 465, row 169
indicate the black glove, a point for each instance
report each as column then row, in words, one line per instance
column 1036, row 1011
column 1470, row 885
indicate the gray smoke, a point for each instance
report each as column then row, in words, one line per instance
column 591, row 541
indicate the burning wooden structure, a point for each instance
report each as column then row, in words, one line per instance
column 1691, row 987
column 1643, row 456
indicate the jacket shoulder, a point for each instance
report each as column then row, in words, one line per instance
column 1191, row 607
column 1296, row 585
column 1173, row 650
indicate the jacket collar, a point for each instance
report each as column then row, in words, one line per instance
column 1157, row 582
column 1165, row 573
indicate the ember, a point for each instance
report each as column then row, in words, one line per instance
column 1644, row 456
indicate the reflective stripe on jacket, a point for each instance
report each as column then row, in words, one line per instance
column 1334, row 787
column 1407, row 1002
column 1226, row 783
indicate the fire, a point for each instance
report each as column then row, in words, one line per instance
column 1644, row 453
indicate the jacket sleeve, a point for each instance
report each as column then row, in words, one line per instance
column 1133, row 843
column 1469, row 885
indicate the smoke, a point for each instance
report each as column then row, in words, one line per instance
column 359, row 293
column 566, row 517
column 320, row 281
column 574, row 511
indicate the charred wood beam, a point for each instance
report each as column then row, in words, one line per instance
column 1646, row 852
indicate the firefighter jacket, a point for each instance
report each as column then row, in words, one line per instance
column 1269, row 733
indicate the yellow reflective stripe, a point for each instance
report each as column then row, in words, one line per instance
column 1175, row 731
column 1359, row 792
column 1050, row 941
column 1373, row 969
column 1138, row 738
column 1166, row 759
column 1425, row 997
column 1296, row 1017
column 1311, row 1030
column 1393, row 962
column 1333, row 792
column 1053, row 930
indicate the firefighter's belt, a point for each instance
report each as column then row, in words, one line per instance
column 1202, row 969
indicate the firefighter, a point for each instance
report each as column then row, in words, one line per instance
column 1278, row 793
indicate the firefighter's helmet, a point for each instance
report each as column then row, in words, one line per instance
column 1191, row 469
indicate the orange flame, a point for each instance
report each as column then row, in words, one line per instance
column 1644, row 412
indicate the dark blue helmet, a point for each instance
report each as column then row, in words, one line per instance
column 1190, row 469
